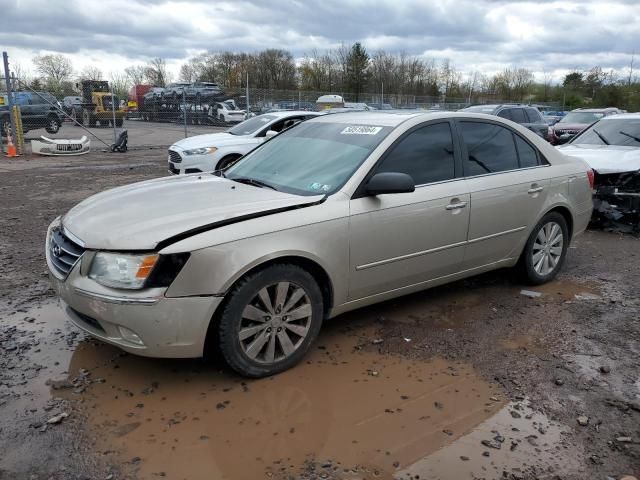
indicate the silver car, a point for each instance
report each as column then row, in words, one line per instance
column 340, row 212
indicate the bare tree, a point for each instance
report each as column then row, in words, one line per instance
column 90, row 72
column 136, row 74
column 57, row 68
column 156, row 72
column 120, row 84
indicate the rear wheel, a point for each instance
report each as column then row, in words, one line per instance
column 76, row 116
column 545, row 250
column 269, row 321
column 88, row 118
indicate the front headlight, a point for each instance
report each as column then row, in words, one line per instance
column 200, row 151
column 121, row 270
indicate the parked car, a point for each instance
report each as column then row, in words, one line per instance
column 576, row 121
column 525, row 115
column 611, row 147
column 381, row 106
column 213, row 151
column 154, row 93
column 357, row 106
column 175, row 90
column 203, row 91
column 227, row 112
column 38, row 110
column 250, row 260
column 68, row 103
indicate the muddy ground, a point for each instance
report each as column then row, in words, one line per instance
column 474, row 380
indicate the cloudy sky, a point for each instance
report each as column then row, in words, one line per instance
column 476, row 35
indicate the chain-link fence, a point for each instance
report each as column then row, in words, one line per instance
column 157, row 117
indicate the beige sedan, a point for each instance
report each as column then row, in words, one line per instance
column 339, row 212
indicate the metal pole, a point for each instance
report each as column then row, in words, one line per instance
column 184, row 112
column 113, row 115
column 7, row 78
column 246, row 115
column 382, row 98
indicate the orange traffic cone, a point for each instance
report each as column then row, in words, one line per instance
column 11, row 148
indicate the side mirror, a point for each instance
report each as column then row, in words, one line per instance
column 390, row 182
column 270, row 133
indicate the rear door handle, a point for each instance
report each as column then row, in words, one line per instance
column 535, row 190
column 454, row 206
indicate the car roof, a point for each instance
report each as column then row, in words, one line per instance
column 595, row 110
column 291, row 113
column 622, row 116
column 388, row 118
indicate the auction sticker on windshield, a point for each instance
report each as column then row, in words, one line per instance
column 360, row 130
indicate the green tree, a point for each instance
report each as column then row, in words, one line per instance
column 357, row 69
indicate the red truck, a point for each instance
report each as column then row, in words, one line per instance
column 135, row 98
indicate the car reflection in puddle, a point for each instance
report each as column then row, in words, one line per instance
column 354, row 409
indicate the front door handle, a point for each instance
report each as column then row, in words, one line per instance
column 456, row 205
column 535, row 189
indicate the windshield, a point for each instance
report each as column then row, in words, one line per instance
column 581, row 117
column 253, row 125
column 612, row 132
column 312, row 158
column 480, row 109
column 106, row 101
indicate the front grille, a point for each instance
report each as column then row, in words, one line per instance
column 70, row 147
column 570, row 132
column 174, row 157
column 63, row 252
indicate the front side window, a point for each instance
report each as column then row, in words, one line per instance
column 426, row 155
column 313, row 158
column 490, row 148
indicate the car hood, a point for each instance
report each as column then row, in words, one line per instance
column 605, row 158
column 209, row 140
column 141, row 215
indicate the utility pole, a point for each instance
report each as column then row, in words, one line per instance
column 184, row 111
column 246, row 115
column 382, row 96
column 113, row 114
column 7, row 79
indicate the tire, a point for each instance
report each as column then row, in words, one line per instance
column 548, row 243
column 88, row 119
column 226, row 161
column 53, row 125
column 119, row 122
column 271, row 343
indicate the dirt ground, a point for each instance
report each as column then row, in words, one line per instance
column 474, row 380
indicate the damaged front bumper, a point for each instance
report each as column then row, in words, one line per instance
column 616, row 202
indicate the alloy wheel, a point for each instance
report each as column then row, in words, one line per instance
column 275, row 322
column 547, row 248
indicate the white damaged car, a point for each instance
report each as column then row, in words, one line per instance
column 214, row 151
column 611, row 147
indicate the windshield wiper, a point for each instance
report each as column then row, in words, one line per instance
column 637, row 139
column 253, row 181
column 602, row 137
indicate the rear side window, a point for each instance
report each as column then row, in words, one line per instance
column 534, row 115
column 518, row 115
column 426, row 154
column 490, row 148
column 506, row 113
column 527, row 154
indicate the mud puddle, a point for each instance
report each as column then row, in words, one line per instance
column 354, row 409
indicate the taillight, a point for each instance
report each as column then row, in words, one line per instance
column 591, row 178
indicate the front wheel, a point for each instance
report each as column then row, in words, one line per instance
column 269, row 320
column 545, row 250
column 53, row 125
